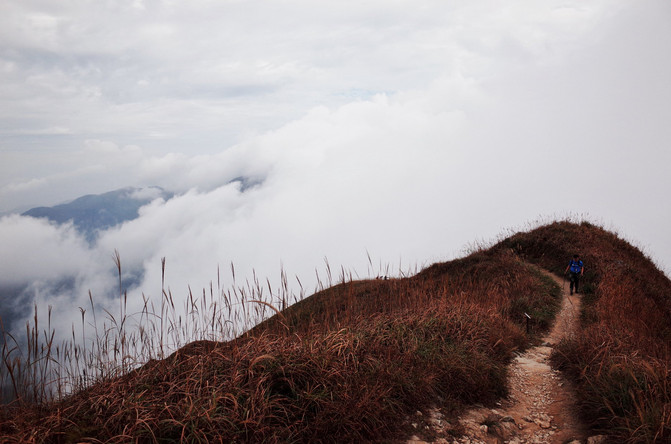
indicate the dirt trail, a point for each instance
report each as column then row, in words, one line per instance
column 540, row 408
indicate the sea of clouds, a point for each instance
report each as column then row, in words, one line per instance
column 525, row 112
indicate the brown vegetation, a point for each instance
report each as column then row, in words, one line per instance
column 621, row 358
column 349, row 363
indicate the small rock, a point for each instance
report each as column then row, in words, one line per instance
column 543, row 424
column 543, row 421
column 598, row 439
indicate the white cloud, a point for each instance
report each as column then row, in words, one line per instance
column 212, row 73
column 33, row 249
column 406, row 130
column 22, row 186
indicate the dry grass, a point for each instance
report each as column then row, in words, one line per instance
column 621, row 358
column 346, row 364
column 347, row 385
column 350, row 362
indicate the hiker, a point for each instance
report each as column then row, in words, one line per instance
column 576, row 268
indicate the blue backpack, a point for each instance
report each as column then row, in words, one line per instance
column 575, row 266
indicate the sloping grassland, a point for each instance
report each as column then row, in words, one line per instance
column 350, row 363
column 621, row 358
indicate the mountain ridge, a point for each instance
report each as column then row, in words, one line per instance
column 353, row 362
column 95, row 212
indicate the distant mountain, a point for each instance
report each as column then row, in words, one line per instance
column 95, row 212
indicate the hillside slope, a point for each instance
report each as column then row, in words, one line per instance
column 348, row 363
column 621, row 358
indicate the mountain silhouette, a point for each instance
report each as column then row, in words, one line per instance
column 95, row 212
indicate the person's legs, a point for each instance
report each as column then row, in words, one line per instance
column 574, row 282
column 571, row 279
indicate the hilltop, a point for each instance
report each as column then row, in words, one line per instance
column 353, row 362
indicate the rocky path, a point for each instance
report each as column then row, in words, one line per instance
column 540, row 408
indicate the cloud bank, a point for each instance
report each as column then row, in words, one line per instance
column 400, row 131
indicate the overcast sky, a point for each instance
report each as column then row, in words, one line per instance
column 405, row 129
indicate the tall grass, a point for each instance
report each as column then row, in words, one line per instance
column 253, row 364
column 621, row 358
column 38, row 367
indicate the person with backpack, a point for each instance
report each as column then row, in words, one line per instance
column 576, row 269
